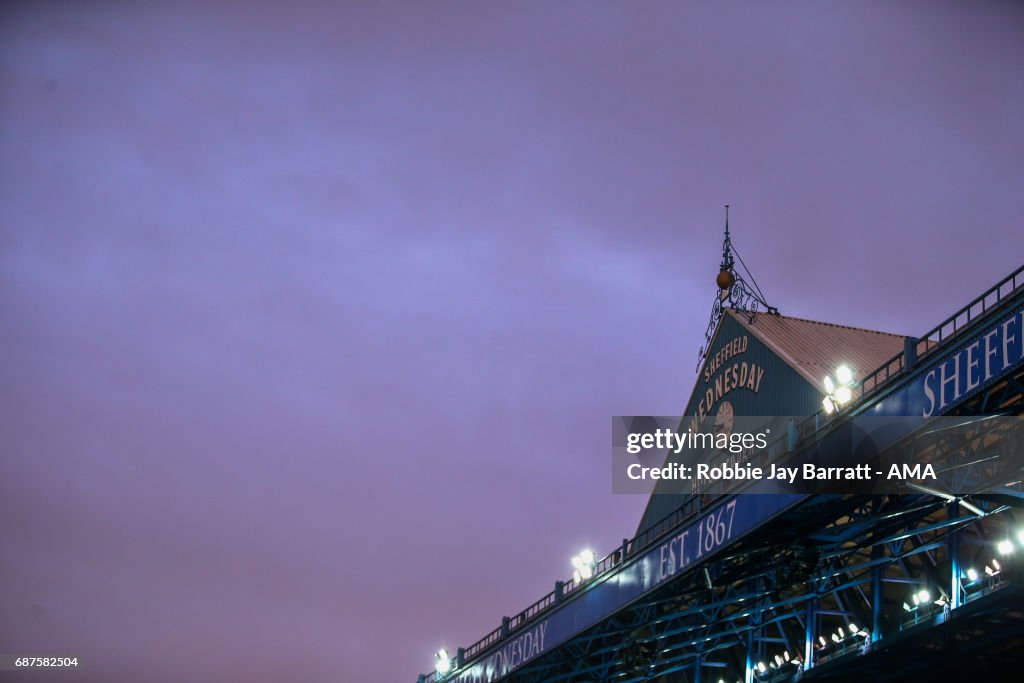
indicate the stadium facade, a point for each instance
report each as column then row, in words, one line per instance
column 922, row 584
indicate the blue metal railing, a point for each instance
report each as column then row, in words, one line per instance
column 953, row 326
column 564, row 591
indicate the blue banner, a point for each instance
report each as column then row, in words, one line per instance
column 989, row 354
column 592, row 603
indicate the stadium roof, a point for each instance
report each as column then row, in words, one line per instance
column 815, row 349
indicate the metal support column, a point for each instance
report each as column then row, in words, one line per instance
column 749, row 676
column 809, row 633
column 955, row 587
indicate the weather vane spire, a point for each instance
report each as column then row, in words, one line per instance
column 733, row 291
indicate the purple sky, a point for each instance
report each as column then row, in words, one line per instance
column 312, row 320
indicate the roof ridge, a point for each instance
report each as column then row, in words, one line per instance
column 822, row 322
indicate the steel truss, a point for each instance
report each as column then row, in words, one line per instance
column 795, row 587
column 790, row 589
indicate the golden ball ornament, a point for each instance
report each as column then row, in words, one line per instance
column 725, row 280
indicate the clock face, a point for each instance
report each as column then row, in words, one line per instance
column 724, row 419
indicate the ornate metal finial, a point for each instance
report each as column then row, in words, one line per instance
column 726, row 278
column 733, row 291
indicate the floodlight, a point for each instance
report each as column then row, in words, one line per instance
column 972, row 574
column 584, row 566
column 835, row 638
column 923, row 595
column 1005, row 547
column 853, row 628
column 444, row 661
column 838, row 392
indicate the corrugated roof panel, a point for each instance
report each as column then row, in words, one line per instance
column 816, row 349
